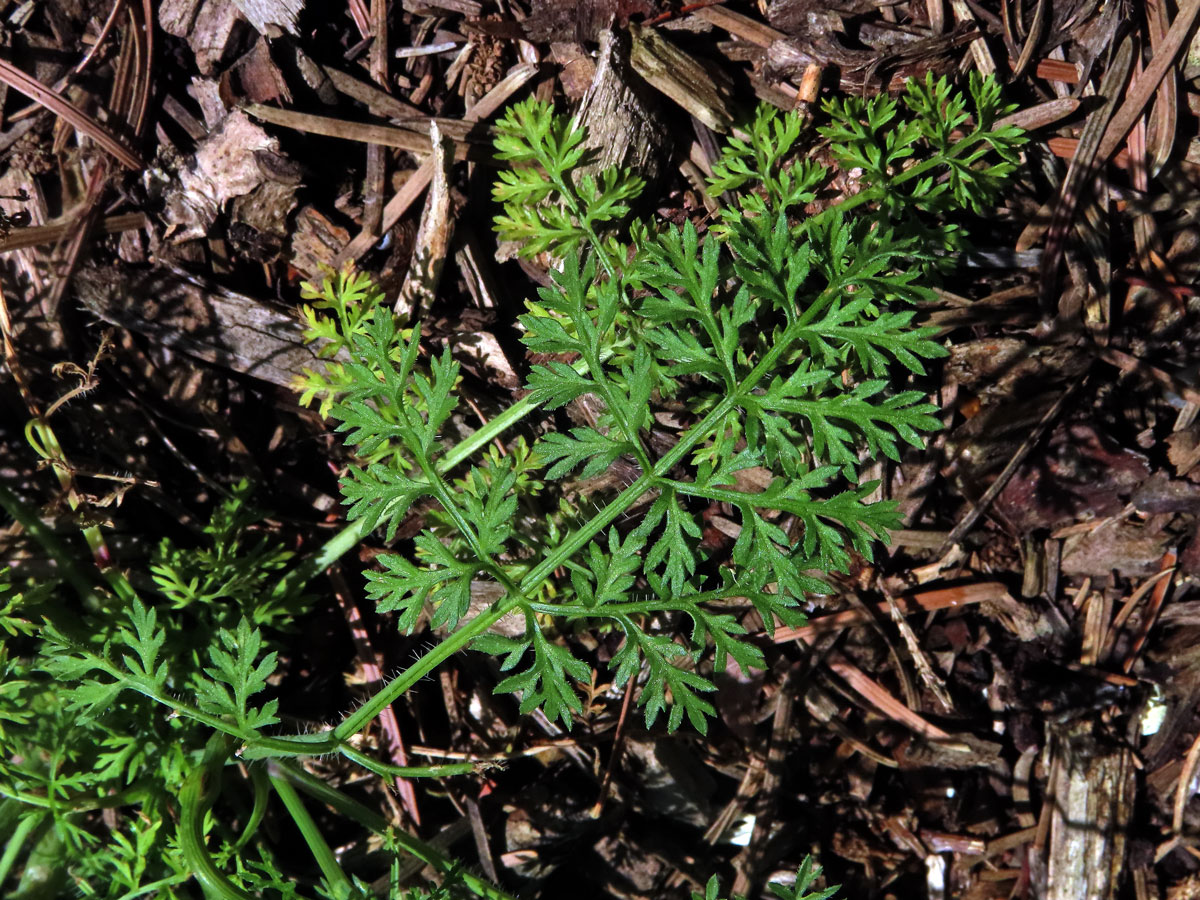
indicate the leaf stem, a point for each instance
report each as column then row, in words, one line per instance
column 351, row 535
column 457, row 641
column 371, row 820
column 317, row 845
column 195, row 800
column 387, row 770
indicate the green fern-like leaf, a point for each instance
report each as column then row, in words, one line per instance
column 777, row 341
column 239, row 670
column 546, row 684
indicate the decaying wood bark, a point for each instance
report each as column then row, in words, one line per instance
column 623, row 127
column 703, row 91
column 433, row 236
column 216, row 325
column 1093, row 794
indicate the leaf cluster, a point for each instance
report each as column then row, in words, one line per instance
column 228, row 577
column 782, row 345
column 549, row 203
column 802, row 889
column 107, row 707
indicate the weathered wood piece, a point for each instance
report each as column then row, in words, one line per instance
column 619, row 114
column 380, row 101
column 212, row 323
column 704, row 92
column 413, row 139
column 1092, row 800
column 272, row 17
column 433, row 236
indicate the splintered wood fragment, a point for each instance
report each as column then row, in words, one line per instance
column 479, row 351
column 739, row 26
column 433, row 236
column 34, row 235
column 1040, row 115
column 378, row 54
column 272, row 17
column 1095, row 626
column 176, row 17
column 941, row 842
column 1093, row 794
column 920, row 660
column 883, row 701
column 979, row 49
column 373, row 185
column 926, row 601
column 1008, row 842
column 414, row 141
column 469, row 8
column 377, row 157
column 212, row 33
column 702, row 91
column 412, row 188
column 1033, row 39
column 1021, row 779
column 361, row 16
column 369, row 95
column 194, row 127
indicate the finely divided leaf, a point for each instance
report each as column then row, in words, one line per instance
column 379, row 493
column 609, row 575
column 403, row 587
column 146, row 640
column 236, row 674
column 545, row 685
column 582, row 445
column 663, row 677
column 557, row 384
column 678, row 533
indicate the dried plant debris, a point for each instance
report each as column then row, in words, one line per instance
column 228, row 164
column 581, row 20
